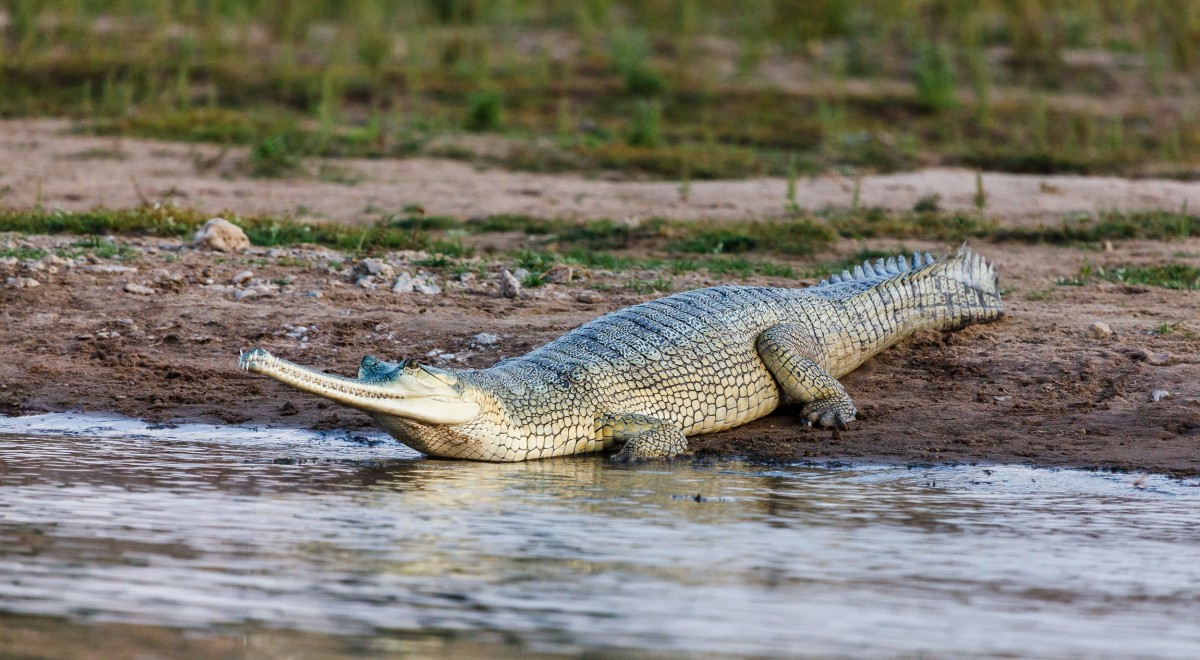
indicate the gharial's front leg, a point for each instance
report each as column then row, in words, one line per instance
column 788, row 350
column 645, row 437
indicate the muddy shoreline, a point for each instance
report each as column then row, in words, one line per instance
column 1036, row 388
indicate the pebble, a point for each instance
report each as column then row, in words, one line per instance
column 374, row 267
column 521, row 274
column 242, row 277
column 427, row 287
column 109, row 268
column 1159, row 395
column 1100, row 330
column 221, row 235
column 485, row 339
column 314, row 294
column 9, row 262
column 1156, row 359
column 21, row 283
column 510, row 286
column 256, row 291
column 138, row 289
column 589, row 297
column 404, row 283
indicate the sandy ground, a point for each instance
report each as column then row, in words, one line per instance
column 1033, row 388
column 45, row 163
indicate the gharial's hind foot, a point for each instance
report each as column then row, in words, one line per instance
column 833, row 412
column 663, row 443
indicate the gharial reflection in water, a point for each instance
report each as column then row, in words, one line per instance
column 214, row 529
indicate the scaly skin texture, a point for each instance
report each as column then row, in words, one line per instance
column 646, row 377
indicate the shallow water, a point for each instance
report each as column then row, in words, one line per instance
column 355, row 544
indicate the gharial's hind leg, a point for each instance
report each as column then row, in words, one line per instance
column 645, row 437
column 788, row 351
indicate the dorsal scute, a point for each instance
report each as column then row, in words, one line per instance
column 881, row 268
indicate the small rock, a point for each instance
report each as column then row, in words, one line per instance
column 9, row 262
column 1156, row 359
column 427, row 287
column 242, row 277
column 1108, row 246
column 589, row 297
column 54, row 260
column 485, row 339
column 375, row 268
column 256, row 291
column 109, row 268
column 366, row 282
column 314, row 294
column 1002, row 398
column 138, row 289
column 521, row 274
column 1159, row 395
column 21, row 283
column 221, row 235
column 404, row 283
column 1100, row 330
column 510, row 286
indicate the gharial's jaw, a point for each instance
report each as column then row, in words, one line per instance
column 415, row 394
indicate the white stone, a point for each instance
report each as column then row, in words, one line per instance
column 1159, row 395
column 21, row 283
column 242, row 277
column 485, row 339
column 376, row 268
column 427, row 287
column 404, row 283
column 109, row 268
column 138, row 289
column 221, row 235
column 1100, row 330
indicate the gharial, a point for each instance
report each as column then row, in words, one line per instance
column 646, row 377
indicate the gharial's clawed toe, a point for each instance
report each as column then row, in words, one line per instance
column 822, row 414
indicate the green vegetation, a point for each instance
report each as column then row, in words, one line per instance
column 1167, row 276
column 586, row 241
column 649, row 88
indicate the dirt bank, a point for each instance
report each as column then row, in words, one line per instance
column 1034, row 388
column 73, row 172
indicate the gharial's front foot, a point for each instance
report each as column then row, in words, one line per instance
column 834, row 412
column 646, row 438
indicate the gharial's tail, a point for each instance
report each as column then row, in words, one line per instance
column 899, row 296
column 967, row 284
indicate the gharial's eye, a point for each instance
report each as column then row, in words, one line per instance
column 410, row 364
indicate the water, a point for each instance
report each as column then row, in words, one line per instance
column 257, row 538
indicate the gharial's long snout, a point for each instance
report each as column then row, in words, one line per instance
column 407, row 390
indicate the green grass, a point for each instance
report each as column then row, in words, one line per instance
column 1167, row 276
column 22, row 253
column 649, row 89
column 588, row 242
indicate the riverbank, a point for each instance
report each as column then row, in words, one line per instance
column 151, row 328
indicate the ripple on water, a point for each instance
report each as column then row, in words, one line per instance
column 203, row 527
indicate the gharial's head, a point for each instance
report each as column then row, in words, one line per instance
column 406, row 390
